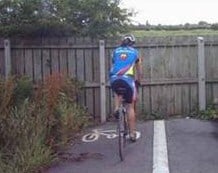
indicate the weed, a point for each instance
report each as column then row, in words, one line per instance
column 209, row 114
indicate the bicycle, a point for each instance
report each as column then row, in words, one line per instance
column 122, row 126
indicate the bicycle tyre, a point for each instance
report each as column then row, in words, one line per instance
column 121, row 135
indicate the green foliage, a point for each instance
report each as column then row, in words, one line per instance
column 23, row 89
column 34, row 122
column 62, row 18
column 214, row 26
column 209, row 114
column 72, row 118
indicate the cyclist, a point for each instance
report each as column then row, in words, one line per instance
column 126, row 68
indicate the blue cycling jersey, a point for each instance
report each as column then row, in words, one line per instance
column 124, row 59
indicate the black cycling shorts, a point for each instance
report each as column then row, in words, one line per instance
column 121, row 87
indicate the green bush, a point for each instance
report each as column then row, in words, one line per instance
column 23, row 89
column 209, row 114
column 34, row 122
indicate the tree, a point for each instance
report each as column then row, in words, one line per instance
column 214, row 26
column 202, row 23
column 95, row 18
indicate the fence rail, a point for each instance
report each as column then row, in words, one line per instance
column 180, row 73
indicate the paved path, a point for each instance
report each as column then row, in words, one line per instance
column 170, row 146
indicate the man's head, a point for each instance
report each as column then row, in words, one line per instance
column 128, row 40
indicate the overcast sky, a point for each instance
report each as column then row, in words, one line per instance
column 173, row 11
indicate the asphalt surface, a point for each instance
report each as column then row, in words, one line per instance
column 192, row 147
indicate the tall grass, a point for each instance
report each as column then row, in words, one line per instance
column 34, row 122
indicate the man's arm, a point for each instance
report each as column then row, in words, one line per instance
column 139, row 73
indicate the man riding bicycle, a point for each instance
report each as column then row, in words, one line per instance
column 125, row 70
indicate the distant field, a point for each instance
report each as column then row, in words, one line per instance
column 164, row 33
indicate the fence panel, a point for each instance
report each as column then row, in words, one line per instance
column 170, row 69
column 211, row 58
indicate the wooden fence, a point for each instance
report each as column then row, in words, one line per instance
column 180, row 74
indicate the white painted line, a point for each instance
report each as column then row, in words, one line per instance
column 160, row 156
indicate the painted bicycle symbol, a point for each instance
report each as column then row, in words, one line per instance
column 109, row 134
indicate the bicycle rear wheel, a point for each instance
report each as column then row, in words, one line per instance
column 121, row 134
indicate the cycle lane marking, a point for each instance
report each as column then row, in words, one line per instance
column 109, row 134
column 160, row 155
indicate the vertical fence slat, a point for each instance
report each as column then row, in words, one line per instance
column 109, row 104
column 145, row 103
column 96, row 68
column 37, row 65
column 215, row 94
column 63, row 61
column 178, row 100
column 80, row 73
column 46, row 63
column 90, row 101
column 80, row 64
column 14, row 62
column 55, row 61
column 88, row 66
column 185, row 97
column 20, row 60
column 97, row 103
column 29, row 63
column 71, row 63
column 89, row 78
column 171, row 100
column 193, row 97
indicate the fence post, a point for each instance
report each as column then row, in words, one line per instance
column 7, row 50
column 102, row 81
column 201, row 74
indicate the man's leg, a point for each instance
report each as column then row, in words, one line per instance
column 117, row 102
column 137, row 90
column 132, row 121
